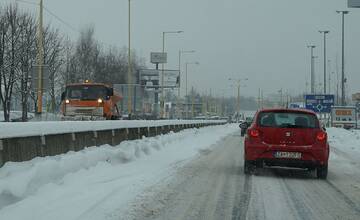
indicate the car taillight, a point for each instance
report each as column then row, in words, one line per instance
column 321, row 136
column 254, row 133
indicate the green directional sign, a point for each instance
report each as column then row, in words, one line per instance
column 354, row 3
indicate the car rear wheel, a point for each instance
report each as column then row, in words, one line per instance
column 321, row 172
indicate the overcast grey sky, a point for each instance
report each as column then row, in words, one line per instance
column 262, row 40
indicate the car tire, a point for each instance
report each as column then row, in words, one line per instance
column 248, row 167
column 321, row 172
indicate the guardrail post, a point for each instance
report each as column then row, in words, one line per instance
column 43, row 145
column 1, row 153
column 95, row 138
column 113, row 137
column 73, row 139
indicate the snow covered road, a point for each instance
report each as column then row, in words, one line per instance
column 214, row 187
column 193, row 174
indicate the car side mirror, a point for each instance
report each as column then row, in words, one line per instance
column 62, row 96
column 110, row 92
column 244, row 125
column 324, row 128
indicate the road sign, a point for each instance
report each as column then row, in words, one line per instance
column 151, row 78
column 354, row 3
column 319, row 103
column 358, row 107
column 157, row 57
column 343, row 116
column 356, row 97
column 35, row 79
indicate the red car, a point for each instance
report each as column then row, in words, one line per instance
column 286, row 138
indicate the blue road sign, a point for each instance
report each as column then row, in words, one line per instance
column 319, row 103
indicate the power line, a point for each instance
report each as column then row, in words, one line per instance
column 27, row 2
column 61, row 20
column 52, row 14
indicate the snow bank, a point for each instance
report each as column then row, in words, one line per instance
column 345, row 140
column 98, row 182
column 22, row 129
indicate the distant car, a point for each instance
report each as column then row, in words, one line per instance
column 244, row 125
column 286, row 138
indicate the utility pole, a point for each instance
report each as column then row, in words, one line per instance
column 40, row 58
column 192, row 102
column 312, row 81
column 238, row 84
column 179, row 90
column 186, row 86
column 129, row 65
column 329, row 74
column 162, row 102
column 325, row 33
column 343, row 79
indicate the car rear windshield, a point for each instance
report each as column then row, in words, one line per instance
column 287, row 120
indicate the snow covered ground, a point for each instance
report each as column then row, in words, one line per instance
column 345, row 140
column 98, row 182
column 15, row 115
column 21, row 129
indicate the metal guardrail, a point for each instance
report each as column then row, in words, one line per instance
column 18, row 149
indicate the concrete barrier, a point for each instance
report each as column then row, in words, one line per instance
column 19, row 149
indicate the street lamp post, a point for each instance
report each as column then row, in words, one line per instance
column 186, row 85
column 162, row 71
column 343, row 80
column 179, row 90
column 129, row 81
column 324, row 32
column 312, row 80
column 238, row 84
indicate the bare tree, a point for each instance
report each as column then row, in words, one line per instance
column 27, row 58
column 53, row 49
column 11, row 31
column 87, row 52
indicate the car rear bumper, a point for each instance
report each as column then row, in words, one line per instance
column 306, row 164
column 311, row 156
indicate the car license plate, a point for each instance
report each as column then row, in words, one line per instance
column 291, row 155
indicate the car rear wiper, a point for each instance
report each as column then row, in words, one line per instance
column 291, row 126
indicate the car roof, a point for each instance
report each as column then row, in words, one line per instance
column 295, row 110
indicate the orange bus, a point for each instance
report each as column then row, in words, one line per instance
column 90, row 101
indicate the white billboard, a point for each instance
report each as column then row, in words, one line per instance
column 156, row 57
column 344, row 116
column 354, row 3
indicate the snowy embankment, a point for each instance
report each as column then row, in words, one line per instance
column 346, row 141
column 98, row 182
column 22, row 129
column 345, row 153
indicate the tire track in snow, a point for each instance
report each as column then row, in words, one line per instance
column 243, row 200
column 300, row 206
column 346, row 199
